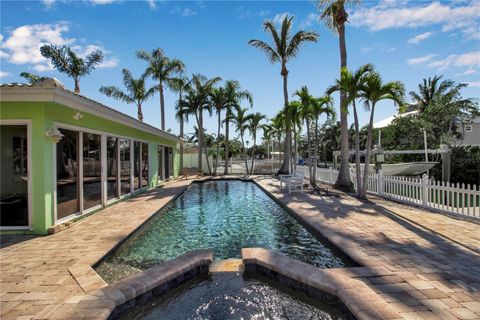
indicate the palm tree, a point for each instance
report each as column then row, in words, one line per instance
column 135, row 91
column 179, row 85
column 374, row 90
column 253, row 126
column 32, row 78
column 162, row 69
column 236, row 95
column 305, row 113
column 350, row 84
column 195, row 101
column 430, row 89
column 66, row 61
column 320, row 106
column 219, row 100
column 335, row 17
column 285, row 47
column 241, row 122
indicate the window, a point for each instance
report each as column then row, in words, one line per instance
column 136, row 165
column 19, row 152
column 67, row 174
column 160, row 163
column 144, row 171
column 92, row 169
column 112, row 168
column 468, row 128
column 124, row 166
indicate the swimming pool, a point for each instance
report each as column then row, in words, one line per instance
column 234, row 296
column 222, row 215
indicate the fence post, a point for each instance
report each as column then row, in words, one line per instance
column 425, row 190
column 330, row 175
column 380, row 182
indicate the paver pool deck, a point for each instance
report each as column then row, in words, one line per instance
column 425, row 265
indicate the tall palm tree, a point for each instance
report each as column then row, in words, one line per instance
column 254, row 121
column 294, row 111
column 374, row 90
column 351, row 84
column 66, row 61
column 285, row 47
column 241, row 122
column 320, row 106
column 335, row 17
column 135, row 91
column 31, row 77
column 196, row 101
column 179, row 85
column 162, row 69
column 236, row 95
column 430, row 89
column 219, row 100
column 306, row 116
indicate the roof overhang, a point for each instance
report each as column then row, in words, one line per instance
column 80, row 103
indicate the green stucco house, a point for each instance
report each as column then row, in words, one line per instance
column 64, row 155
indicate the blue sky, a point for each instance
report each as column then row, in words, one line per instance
column 405, row 40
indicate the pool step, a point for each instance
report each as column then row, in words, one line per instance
column 228, row 265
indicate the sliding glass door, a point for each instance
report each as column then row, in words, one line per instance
column 160, row 163
column 125, row 166
column 67, row 174
column 112, row 168
column 92, row 178
column 144, row 161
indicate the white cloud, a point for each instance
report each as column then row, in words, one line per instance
column 308, row 21
column 467, row 72
column 152, row 4
column 379, row 46
column 390, row 14
column 22, row 46
column 187, row 12
column 278, row 19
column 102, row 2
column 4, row 74
column 420, row 37
column 421, row 60
column 246, row 13
column 48, row 3
column 474, row 84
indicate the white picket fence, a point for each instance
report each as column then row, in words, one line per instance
column 443, row 196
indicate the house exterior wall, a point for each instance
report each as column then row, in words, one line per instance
column 43, row 116
column 471, row 138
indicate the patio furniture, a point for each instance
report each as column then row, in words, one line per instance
column 294, row 181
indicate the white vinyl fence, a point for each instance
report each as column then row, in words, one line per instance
column 443, row 196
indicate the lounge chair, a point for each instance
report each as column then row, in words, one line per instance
column 294, row 181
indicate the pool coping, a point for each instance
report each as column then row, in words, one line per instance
column 356, row 297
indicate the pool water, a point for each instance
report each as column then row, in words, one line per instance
column 223, row 215
column 232, row 296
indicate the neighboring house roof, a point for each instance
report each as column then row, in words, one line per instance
column 52, row 90
column 387, row 121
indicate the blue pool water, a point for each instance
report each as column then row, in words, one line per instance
column 223, row 215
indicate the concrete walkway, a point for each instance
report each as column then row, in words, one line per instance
column 35, row 278
column 426, row 265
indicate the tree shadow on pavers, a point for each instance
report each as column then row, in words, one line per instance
column 8, row 240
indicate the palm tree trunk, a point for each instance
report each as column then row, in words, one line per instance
column 309, row 146
column 315, row 147
column 367, row 156
column 200, row 137
column 162, row 108
column 218, row 143
column 77, row 85
column 357, row 152
column 253, row 151
column 285, row 168
column 227, row 145
column 295, row 151
column 244, row 152
column 343, row 180
column 181, row 134
column 139, row 112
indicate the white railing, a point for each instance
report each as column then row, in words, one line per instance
column 443, row 196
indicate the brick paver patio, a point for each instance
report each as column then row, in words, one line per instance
column 34, row 276
column 426, row 265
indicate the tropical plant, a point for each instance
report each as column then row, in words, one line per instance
column 351, row 85
column 32, row 78
column 179, row 85
column 195, row 101
column 164, row 70
column 285, row 47
column 68, row 62
column 305, row 114
column 241, row 122
column 254, row 123
column 236, row 95
column 320, row 106
column 135, row 91
column 430, row 89
column 335, row 16
column 374, row 90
